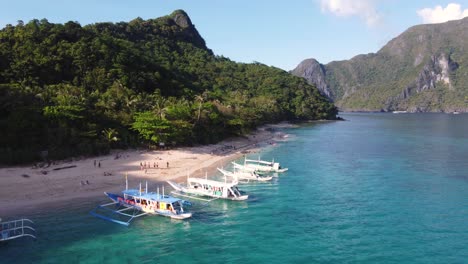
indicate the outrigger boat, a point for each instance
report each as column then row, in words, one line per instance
column 239, row 174
column 142, row 203
column 16, row 228
column 197, row 187
column 261, row 166
column 245, row 168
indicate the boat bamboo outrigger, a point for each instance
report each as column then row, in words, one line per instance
column 261, row 165
column 140, row 202
column 239, row 174
column 16, row 228
column 198, row 187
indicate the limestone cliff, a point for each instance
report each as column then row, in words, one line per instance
column 423, row 69
column 314, row 73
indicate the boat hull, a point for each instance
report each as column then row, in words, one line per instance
column 120, row 199
column 240, row 198
column 190, row 191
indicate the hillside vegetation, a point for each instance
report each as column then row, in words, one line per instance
column 70, row 90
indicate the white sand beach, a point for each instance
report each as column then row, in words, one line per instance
column 23, row 188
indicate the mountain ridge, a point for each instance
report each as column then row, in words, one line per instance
column 424, row 69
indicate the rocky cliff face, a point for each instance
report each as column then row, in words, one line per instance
column 314, row 73
column 436, row 71
column 190, row 33
column 423, row 69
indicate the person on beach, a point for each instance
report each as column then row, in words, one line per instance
column 95, row 163
column 99, row 164
column 167, row 163
column 154, row 164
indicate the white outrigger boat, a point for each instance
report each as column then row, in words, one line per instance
column 142, row 203
column 260, row 166
column 16, row 228
column 197, row 187
column 240, row 174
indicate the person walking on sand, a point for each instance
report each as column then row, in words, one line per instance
column 99, row 164
column 167, row 163
column 95, row 163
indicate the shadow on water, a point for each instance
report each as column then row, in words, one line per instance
column 56, row 228
column 70, row 233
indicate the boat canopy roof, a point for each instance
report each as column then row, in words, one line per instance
column 151, row 196
column 212, row 183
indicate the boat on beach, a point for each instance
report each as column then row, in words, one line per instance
column 195, row 188
column 13, row 229
column 140, row 202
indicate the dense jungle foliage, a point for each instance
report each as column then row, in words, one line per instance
column 68, row 90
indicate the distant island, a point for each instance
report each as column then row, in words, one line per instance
column 69, row 90
column 425, row 69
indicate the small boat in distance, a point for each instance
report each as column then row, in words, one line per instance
column 456, row 113
column 196, row 187
column 16, row 228
column 143, row 202
column 400, row 112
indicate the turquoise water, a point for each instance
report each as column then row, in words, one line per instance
column 379, row 188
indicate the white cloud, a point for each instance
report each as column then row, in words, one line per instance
column 439, row 14
column 364, row 9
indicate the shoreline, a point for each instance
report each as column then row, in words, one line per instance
column 23, row 189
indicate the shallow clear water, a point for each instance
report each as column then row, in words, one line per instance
column 379, row 188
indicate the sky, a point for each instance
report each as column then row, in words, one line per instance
column 275, row 32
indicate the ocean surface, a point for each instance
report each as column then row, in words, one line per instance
column 377, row 188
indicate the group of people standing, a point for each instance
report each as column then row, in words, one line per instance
column 145, row 166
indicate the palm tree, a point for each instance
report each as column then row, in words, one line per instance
column 160, row 107
column 200, row 99
column 110, row 135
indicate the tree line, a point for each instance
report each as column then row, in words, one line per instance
column 68, row 90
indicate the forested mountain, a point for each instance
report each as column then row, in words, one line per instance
column 68, row 90
column 425, row 69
